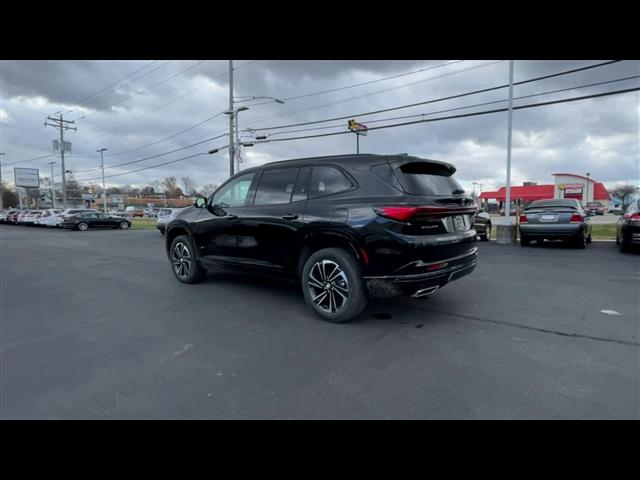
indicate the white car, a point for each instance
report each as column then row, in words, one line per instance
column 50, row 218
column 165, row 215
column 31, row 216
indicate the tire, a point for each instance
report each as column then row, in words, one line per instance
column 624, row 247
column 82, row 226
column 184, row 263
column 124, row 225
column 581, row 241
column 487, row 233
column 524, row 241
column 322, row 265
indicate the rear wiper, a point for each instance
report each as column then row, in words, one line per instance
column 457, row 192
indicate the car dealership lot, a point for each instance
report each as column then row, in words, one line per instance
column 94, row 325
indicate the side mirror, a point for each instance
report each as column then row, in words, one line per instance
column 200, row 202
column 218, row 209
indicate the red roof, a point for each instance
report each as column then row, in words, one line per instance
column 540, row 192
column 533, row 192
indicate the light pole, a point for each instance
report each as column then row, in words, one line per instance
column 104, row 190
column 53, row 187
column 249, row 99
column 1, row 204
column 588, row 175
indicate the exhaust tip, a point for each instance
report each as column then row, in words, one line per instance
column 424, row 292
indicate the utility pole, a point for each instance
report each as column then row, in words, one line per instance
column 231, row 115
column 588, row 175
column 1, row 204
column 53, row 188
column 62, row 125
column 507, row 204
column 104, row 191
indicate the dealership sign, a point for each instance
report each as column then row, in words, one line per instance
column 26, row 177
column 570, row 186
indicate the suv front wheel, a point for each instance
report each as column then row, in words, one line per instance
column 333, row 286
column 184, row 263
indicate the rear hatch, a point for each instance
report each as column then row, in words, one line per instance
column 436, row 216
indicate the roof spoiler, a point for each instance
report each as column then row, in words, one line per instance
column 402, row 159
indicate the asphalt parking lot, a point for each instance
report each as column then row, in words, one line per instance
column 94, row 325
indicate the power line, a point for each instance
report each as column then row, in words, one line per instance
column 486, row 112
column 463, row 115
column 577, row 87
column 345, row 100
column 474, row 92
column 146, row 89
column 152, row 156
column 413, row 72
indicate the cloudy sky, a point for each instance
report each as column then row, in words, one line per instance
column 141, row 109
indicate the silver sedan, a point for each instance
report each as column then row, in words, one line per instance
column 555, row 219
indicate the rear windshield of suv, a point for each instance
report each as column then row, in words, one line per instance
column 424, row 178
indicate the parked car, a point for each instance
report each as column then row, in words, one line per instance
column 30, row 216
column 13, row 217
column 165, row 215
column 134, row 212
column 344, row 226
column 5, row 216
column 86, row 220
column 151, row 213
column 50, row 218
column 595, row 208
column 73, row 211
column 556, row 219
column 512, row 211
column 482, row 225
column 628, row 227
column 616, row 211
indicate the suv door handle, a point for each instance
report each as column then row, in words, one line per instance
column 290, row 216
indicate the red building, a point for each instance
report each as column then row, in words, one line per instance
column 567, row 185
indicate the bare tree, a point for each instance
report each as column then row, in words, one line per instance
column 188, row 185
column 171, row 188
column 623, row 192
column 208, row 189
column 146, row 191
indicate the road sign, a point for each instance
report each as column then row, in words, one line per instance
column 88, row 196
column 26, row 177
column 56, row 146
column 357, row 128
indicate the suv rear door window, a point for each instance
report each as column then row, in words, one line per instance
column 326, row 180
column 425, row 178
column 276, row 186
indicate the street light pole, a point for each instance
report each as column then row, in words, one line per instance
column 104, row 190
column 588, row 175
column 231, row 142
column 1, row 203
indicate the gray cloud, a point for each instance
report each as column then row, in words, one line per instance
column 599, row 135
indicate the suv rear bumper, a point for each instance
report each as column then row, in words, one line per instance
column 423, row 283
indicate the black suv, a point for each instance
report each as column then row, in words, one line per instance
column 346, row 226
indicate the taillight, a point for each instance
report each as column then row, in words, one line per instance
column 576, row 218
column 635, row 216
column 402, row 214
column 524, row 219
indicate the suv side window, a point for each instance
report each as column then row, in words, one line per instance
column 276, row 186
column 326, row 180
column 234, row 193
